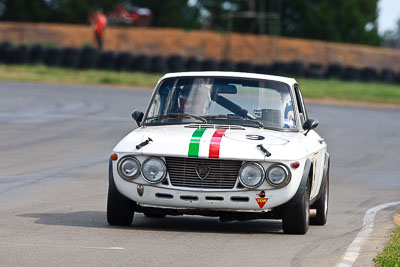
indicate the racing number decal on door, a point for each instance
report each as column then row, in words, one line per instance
column 195, row 142
column 215, row 143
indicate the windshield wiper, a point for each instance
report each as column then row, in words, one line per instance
column 234, row 117
column 176, row 115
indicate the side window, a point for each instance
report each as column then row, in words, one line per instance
column 300, row 104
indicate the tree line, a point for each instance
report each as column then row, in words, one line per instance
column 350, row 21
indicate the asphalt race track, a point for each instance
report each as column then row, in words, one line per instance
column 54, row 144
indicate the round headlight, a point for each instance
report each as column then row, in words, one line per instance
column 278, row 175
column 251, row 175
column 154, row 170
column 128, row 168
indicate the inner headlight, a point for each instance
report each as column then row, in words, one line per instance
column 278, row 175
column 251, row 175
column 128, row 168
column 154, row 170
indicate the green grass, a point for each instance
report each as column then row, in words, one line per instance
column 40, row 73
column 390, row 256
column 372, row 92
column 351, row 91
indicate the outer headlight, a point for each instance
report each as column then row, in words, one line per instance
column 251, row 175
column 278, row 175
column 128, row 168
column 154, row 170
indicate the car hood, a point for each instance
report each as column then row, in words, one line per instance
column 214, row 141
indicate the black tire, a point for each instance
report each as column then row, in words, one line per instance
column 71, row 57
column 279, row 68
column 53, row 57
column 315, row 70
column 262, row 69
column 351, row 74
column 106, row 60
column 150, row 214
column 158, row 64
column 296, row 218
column 210, row 65
column 175, row 63
column 123, row 61
column 141, row 63
column 244, row 66
column 5, row 48
column 321, row 205
column 297, row 69
column 227, row 65
column 35, row 53
column 17, row 55
column 388, row 76
column 89, row 57
column 193, row 64
column 334, row 70
column 368, row 74
column 120, row 210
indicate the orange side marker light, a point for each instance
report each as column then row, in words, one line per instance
column 114, row 157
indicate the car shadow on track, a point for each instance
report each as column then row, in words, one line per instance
column 97, row 219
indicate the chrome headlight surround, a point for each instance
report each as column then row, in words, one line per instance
column 258, row 168
column 124, row 163
column 278, row 169
column 147, row 172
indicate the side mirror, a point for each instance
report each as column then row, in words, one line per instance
column 310, row 124
column 137, row 116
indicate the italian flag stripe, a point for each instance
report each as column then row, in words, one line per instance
column 195, row 142
column 216, row 143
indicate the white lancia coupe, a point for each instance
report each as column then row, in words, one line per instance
column 237, row 146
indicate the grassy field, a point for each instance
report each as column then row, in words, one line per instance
column 372, row 92
column 390, row 256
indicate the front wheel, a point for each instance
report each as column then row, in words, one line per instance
column 120, row 209
column 321, row 205
column 296, row 218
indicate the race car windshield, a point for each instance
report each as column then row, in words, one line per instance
column 220, row 100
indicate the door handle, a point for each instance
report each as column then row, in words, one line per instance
column 321, row 140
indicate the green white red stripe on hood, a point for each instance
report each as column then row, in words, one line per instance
column 213, row 146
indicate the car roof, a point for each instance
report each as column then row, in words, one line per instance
column 286, row 80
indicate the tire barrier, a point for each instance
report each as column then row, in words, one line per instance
column 52, row 57
column 193, row 64
column 123, row 61
column 315, row 71
column 17, row 55
column 388, row 76
column 89, row 57
column 106, row 60
column 244, row 66
column 159, row 64
column 262, row 69
column 175, row 63
column 35, row 53
column 350, row 74
column 334, row 71
column 210, row 65
column 141, row 63
column 297, row 69
column 368, row 74
column 227, row 65
column 71, row 57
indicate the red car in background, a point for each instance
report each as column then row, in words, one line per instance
column 130, row 15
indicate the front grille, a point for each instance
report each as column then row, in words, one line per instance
column 223, row 173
